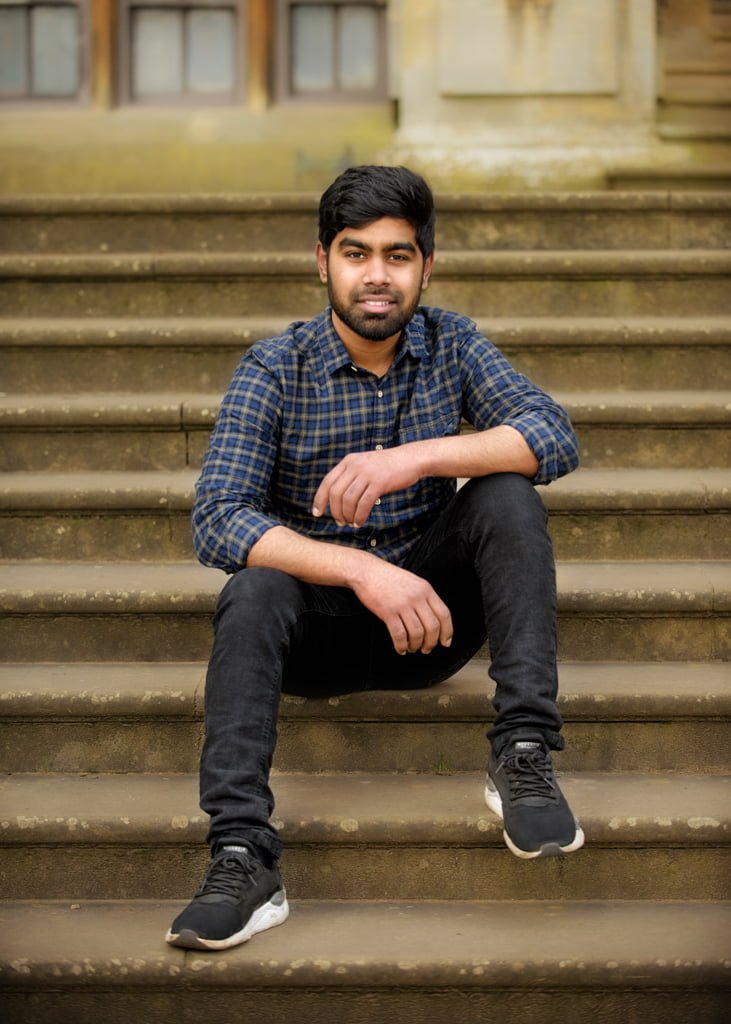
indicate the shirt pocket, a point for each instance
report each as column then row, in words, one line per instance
column 422, row 426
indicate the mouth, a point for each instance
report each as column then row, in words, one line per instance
column 376, row 303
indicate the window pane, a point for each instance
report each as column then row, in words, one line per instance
column 211, row 39
column 313, row 36
column 55, row 51
column 358, row 47
column 157, row 52
column 13, row 42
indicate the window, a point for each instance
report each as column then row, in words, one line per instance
column 41, row 50
column 181, row 51
column 333, row 50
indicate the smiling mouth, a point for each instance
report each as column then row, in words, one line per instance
column 376, row 304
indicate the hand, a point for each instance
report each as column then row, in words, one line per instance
column 352, row 488
column 416, row 617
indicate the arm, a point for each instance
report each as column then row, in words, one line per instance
column 414, row 614
column 352, row 487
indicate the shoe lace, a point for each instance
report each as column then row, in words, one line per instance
column 530, row 774
column 227, row 874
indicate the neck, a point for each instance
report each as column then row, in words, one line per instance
column 375, row 356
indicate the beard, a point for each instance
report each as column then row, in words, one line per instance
column 371, row 325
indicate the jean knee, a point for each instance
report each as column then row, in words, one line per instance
column 260, row 591
column 508, row 500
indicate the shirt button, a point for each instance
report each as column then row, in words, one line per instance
column 379, row 447
column 373, row 542
column 377, row 501
column 380, row 394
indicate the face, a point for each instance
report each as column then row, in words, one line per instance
column 374, row 275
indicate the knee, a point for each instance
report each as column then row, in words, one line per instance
column 259, row 591
column 503, row 500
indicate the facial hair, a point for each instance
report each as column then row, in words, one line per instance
column 370, row 325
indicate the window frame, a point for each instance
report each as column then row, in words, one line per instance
column 283, row 90
column 125, row 94
column 82, row 96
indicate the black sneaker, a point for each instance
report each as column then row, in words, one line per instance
column 522, row 789
column 238, row 897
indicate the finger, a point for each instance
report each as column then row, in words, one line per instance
column 432, row 629
column 415, row 630
column 444, row 616
column 351, row 499
column 367, row 500
column 398, row 634
column 322, row 497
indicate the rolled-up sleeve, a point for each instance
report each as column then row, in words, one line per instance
column 496, row 394
column 230, row 509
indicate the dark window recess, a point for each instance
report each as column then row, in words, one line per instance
column 182, row 51
column 335, row 49
column 40, row 51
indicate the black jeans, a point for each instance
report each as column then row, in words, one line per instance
column 490, row 559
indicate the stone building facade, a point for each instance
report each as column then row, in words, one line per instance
column 270, row 94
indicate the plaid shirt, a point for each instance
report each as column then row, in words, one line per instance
column 297, row 405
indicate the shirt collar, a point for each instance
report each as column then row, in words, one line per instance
column 334, row 354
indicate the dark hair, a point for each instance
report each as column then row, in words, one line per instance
column 363, row 194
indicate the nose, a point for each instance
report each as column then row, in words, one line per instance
column 377, row 271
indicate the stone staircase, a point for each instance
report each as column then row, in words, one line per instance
column 123, row 320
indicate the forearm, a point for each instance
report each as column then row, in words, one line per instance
column 312, row 561
column 413, row 613
column 497, row 450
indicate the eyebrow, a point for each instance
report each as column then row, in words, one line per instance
column 347, row 243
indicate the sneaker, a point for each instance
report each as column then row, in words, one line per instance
column 522, row 789
column 238, row 897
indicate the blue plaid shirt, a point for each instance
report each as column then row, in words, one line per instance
column 297, row 405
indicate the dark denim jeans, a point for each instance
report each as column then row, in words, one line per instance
column 488, row 556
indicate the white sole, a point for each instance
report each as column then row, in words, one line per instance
column 267, row 916
column 493, row 801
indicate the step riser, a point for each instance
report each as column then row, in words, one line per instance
column 165, row 746
column 109, row 536
column 28, row 370
column 603, row 446
column 687, row 295
column 418, row 872
column 368, row 1004
column 474, row 229
column 187, row 637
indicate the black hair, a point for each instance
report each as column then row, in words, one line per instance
column 363, row 194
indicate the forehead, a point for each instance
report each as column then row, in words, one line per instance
column 379, row 234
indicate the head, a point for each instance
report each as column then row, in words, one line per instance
column 363, row 194
column 375, row 250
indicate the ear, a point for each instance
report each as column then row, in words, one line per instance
column 321, row 256
column 428, row 267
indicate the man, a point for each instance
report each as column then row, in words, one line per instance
column 329, row 492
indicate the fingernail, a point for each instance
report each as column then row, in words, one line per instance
column 447, row 643
column 316, row 511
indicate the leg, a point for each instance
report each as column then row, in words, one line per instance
column 269, row 634
column 493, row 540
column 266, row 624
column 490, row 558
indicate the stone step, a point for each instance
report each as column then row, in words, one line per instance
column 366, row 836
column 138, row 717
column 536, row 283
column 429, row 962
column 657, row 611
column 200, row 354
column 134, row 432
column 596, row 514
column 225, row 223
